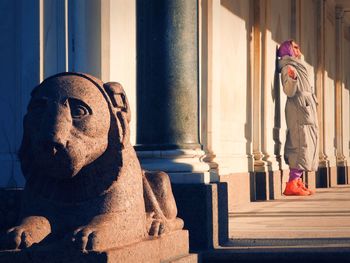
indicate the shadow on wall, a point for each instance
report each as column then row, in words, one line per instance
column 276, row 97
column 235, row 7
column 204, row 209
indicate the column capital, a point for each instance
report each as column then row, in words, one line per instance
column 339, row 12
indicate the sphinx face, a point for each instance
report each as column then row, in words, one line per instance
column 67, row 124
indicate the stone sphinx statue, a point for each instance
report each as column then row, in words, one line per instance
column 84, row 184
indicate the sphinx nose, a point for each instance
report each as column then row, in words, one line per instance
column 56, row 130
column 54, row 142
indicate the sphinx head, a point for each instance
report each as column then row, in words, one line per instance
column 67, row 126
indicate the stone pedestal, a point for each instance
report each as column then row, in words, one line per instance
column 333, row 178
column 275, row 184
column 172, row 247
column 204, row 209
column 238, row 190
column 284, row 179
column 310, row 179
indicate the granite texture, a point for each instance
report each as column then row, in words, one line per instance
column 85, row 190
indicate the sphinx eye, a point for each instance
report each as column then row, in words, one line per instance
column 79, row 109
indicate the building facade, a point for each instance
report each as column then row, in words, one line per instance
column 201, row 78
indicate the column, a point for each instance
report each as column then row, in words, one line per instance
column 167, row 90
column 346, row 97
column 258, row 162
column 322, row 176
column 329, row 92
column 259, row 185
column 54, row 37
column 340, row 158
column 84, row 36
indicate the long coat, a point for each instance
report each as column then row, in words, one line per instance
column 301, row 147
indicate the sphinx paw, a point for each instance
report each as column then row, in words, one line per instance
column 33, row 229
column 17, row 238
column 157, row 228
column 87, row 238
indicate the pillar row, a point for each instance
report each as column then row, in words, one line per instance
column 167, row 90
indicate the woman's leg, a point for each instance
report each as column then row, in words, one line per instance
column 295, row 174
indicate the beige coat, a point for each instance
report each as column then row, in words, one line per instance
column 301, row 148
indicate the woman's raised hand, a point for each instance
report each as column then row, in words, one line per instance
column 291, row 73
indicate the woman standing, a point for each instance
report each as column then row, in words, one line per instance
column 301, row 148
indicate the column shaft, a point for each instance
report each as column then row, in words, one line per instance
column 167, row 74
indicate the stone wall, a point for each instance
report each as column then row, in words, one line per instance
column 242, row 99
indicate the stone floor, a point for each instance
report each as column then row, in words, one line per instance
column 323, row 215
column 291, row 229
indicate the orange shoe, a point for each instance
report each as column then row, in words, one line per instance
column 292, row 188
column 302, row 185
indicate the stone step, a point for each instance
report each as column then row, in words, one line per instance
column 288, row 243
column 283, row 250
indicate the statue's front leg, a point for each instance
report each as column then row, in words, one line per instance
column 31, row 230
column 160, row 204
column 108, row 231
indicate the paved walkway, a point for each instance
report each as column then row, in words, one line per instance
column 291, row 229
column 323, row 215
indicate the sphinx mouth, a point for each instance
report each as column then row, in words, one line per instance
column 54, row 149
column 55, row 159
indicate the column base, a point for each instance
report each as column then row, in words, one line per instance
column 238, row 189
column 333, row 177
column 284, row 178
column 310, row 179
column 275, row 184
column 183, row 165
column 233, row 164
